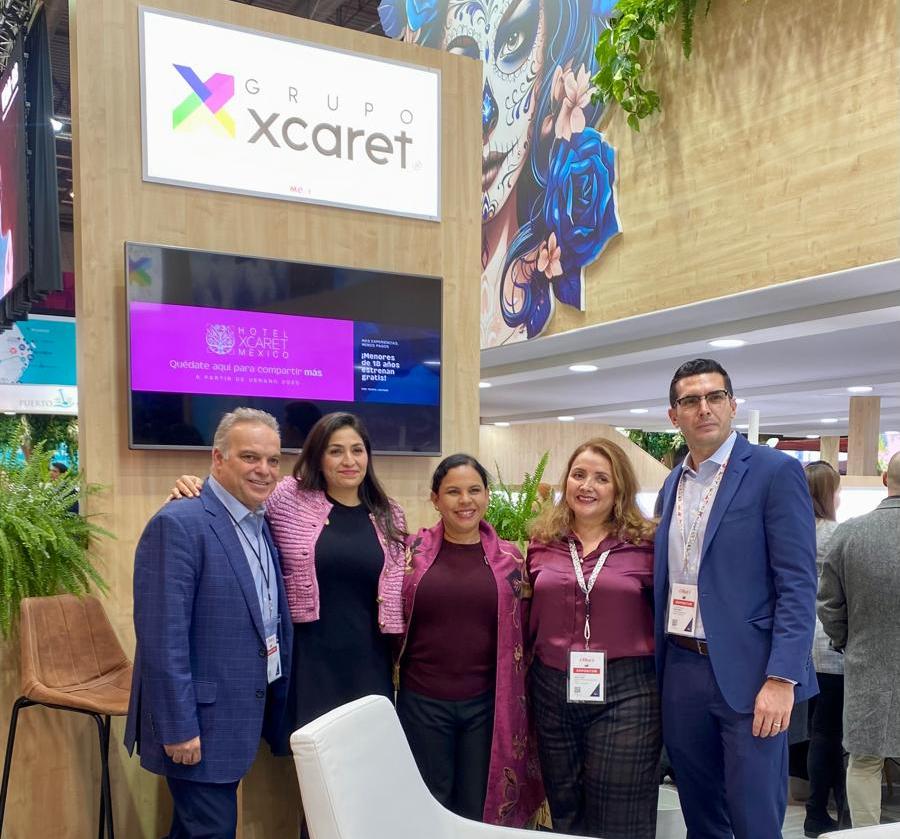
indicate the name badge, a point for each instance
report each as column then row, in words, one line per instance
column 683, row 610
column 273, row 659
column 586, row 676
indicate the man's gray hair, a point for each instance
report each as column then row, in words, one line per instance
column 238, row 416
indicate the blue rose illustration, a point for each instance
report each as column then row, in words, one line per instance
column 420, row 12
column 579, row 205
column 393, row 17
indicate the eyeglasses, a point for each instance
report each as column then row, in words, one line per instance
column 714, row 399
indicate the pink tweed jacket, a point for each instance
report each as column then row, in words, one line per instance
column 297, row 517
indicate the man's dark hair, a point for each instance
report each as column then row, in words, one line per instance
column 695, row 368
column 59, row 466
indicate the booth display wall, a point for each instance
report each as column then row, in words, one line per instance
column 775, row 158
column 55, row 784
column 515, row 450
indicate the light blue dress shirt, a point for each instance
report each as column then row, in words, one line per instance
column 249, row 527
column 696, row 482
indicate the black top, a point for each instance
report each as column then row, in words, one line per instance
column 343, row 655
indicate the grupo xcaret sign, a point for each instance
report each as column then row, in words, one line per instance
column 234, row 110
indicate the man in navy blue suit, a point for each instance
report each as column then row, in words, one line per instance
column 735, row 593
column 213, row 632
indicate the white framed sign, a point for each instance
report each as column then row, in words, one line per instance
column 235, row 110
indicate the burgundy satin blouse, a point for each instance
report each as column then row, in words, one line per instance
column 621, row 601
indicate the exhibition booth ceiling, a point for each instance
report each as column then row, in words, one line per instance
column 807, row 342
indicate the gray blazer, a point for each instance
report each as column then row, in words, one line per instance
column 859, row 606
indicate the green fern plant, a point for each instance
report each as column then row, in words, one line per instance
column 625, row 49
column 511, row 511
column 43, row 542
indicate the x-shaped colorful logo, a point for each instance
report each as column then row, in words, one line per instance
column 213, row 93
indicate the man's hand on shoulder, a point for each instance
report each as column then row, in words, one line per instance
column 772, row 711
column 186, row 753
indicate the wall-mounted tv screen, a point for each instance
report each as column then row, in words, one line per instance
column 208, row 332
column 14, row 256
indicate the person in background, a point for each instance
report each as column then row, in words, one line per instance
column 825, row 759
column 592, row 681
column 858, row 609
column 213, row 650
column 735, row 586
column 57, row 469
column 461, row 696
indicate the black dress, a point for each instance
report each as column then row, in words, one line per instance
column 343, row 655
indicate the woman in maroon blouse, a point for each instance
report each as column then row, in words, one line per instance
column 461, row 696
column 592, row 680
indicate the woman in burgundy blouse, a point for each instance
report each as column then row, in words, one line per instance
column 461, row 696
column 598, row 726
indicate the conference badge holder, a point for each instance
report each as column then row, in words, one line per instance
column 683, row 610
column 586, row 673
column 273, row 658
column 586, row 676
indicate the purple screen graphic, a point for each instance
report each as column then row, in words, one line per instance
column 192, row 349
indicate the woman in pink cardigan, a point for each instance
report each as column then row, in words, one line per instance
column 341, row 546
column 461, row 696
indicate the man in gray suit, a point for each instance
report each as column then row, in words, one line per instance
column 858, row 609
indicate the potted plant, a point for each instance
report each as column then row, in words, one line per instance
column 44, row 542
column 510, row 511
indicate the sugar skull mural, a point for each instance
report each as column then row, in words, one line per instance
column 548, row 203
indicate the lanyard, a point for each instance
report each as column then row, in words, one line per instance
column 588, row 587
column 266, row 568
column 687, row 540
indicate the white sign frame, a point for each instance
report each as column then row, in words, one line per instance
column 421, row 200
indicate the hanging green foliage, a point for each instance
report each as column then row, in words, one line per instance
column 44, row 543
column 510, row 511
column 625, row 49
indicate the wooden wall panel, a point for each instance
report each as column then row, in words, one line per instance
column 516, row 450
column 776, row 157
column 56, row 776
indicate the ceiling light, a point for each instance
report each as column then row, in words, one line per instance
column 502, row 424
column 484, row 385
column 740, row 400
column 743, row 425
column 566, row 419
column 772, row 442
column 727, row 343
column 583, row 368
column 860, row 389
column 812, row 436
column 71, row 193
column 829, row 420
column 638, row 410
column 623, row 430
column 57, row 125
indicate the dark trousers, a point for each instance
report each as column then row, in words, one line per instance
column 600, row 762
column 451, row 742
column 203, row 811
column 825, row 761
column 729, row 782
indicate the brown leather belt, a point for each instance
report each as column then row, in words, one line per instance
column 695, row 645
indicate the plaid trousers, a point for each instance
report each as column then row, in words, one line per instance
column 600, row 762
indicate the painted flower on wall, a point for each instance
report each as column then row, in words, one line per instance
column 548, row 176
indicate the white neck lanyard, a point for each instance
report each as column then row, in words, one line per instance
column 688, row 539
column 586, row 588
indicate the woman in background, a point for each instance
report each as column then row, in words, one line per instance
column 825, row 759
column 461, row 696
column 599, row 760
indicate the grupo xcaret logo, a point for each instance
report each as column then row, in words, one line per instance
column 207, row 100
column 287, row 129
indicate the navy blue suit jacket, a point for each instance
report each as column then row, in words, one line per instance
column 200, row 662
column 757, row 581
